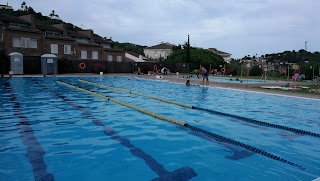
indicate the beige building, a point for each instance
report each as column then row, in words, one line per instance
column 162, row 50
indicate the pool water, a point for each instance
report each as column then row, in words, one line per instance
column 228, row 79
column 51, row 131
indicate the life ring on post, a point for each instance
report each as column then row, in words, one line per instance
column 223, row 70
column 82, row 65
column 155, row 67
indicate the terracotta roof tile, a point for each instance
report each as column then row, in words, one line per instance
column 13, row 19
column 161, row 46
column 100, row 40
column 75, row 34
column 48, row 28
column 216, row 51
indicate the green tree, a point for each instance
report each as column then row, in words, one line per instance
column 30, row 10
column 197, row 57
column 129, row 47
column 176, row 47
column 53, row 14
column 24, row 6
column 256, row 71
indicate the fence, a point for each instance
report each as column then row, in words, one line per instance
column 32, row 65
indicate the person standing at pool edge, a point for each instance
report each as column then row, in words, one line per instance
column 204, row 74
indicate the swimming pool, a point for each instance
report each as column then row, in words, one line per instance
column 55, row 131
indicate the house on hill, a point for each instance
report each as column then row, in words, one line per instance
column 57, row 42
column 22, row 36
column 163, row 50
column 226, row 56
column 5, row 6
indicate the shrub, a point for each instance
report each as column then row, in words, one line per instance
column 97, row 68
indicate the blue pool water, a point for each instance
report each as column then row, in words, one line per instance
column 54, row 132
column 228, row 79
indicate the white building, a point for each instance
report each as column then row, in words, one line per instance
column 3, row 6
column 226, row 56
column 162, row 50
column 133, row 57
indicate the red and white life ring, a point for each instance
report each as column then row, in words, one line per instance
column 223, row 70
column 82, row 65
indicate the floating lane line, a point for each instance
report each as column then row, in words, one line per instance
column 193, row 128
column 124, row 104
column 184, row 173
column 248, row 120
column 35, row 152
column 143, row 95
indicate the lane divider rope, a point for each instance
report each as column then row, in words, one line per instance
column 124, row 104
column 143, row 95
column 193, row 128
column 248, row 120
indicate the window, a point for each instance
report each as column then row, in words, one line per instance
column 50, row 33
column 54, row 48
column 94, row 55
column 67, row 49
column 83, row 54
column 16, row 41
column 106, row 46
column 119, row 58
column 33, row 43
column 110, row 58
column 82, row 40
column 18, row 25
column 155, row 54
column 25, row 42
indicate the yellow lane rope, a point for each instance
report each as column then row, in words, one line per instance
column 143, row 95
column 125, row 104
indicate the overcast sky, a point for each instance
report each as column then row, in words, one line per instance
column 239, row 27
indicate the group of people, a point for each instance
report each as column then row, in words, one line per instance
column 204, row 73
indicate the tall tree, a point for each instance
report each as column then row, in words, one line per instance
column 24, row 6
column 53, row 14
column 30, row 10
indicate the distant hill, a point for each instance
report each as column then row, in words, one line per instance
column 40, row 19
column 300, row 56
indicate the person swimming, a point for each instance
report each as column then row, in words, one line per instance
column 188, row 82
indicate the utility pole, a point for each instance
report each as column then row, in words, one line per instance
column 305, row 46
column 188, row 50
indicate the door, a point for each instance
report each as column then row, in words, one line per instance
column 50, row 67
column 17, row 64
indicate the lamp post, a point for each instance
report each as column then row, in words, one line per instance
column 273, row 67
column 288, row 71
column 312, row 67
column 247, row 66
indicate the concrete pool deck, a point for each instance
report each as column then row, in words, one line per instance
column 254, row 87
